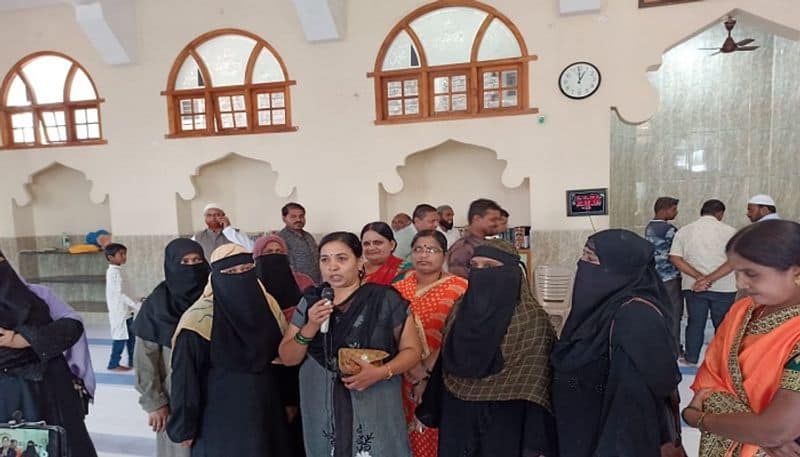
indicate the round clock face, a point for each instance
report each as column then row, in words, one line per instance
column 579, row 80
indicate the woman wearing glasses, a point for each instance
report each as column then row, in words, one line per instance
column 432, row 293
column 381, row 266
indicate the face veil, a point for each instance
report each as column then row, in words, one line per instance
column 244, row 335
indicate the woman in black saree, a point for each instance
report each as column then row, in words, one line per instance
column 362, row 414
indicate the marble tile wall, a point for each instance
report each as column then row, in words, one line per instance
column 725, row 128
column 558, row 247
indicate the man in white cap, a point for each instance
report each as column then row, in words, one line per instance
column 218, row 231
column 761, row 208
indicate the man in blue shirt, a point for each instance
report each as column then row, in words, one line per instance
column 661, row 233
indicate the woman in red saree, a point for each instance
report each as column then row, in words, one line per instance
column 381, row 266
column 432, row 293
column 747, row 392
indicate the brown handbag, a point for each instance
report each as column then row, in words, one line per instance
column 348, row 356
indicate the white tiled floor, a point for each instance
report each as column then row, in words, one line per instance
column 119, row 426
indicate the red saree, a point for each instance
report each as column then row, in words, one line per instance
column 386, row 273
column 744, row 366
column 430, row 306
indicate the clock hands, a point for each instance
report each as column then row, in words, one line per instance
column 580, row 75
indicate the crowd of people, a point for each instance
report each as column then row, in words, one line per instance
column 414, row 340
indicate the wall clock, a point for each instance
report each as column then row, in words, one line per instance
column 579, row 80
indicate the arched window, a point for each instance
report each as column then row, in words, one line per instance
column 228, row 82
column 49, row 99
column 451, row 59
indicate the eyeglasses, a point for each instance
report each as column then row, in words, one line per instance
column 427, row 250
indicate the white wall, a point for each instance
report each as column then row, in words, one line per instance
column 455, row 174
column 243, row 187
column 338, row 157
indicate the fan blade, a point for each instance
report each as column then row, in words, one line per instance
column 708, row 49
column 747, row 48
column 745, row 42
column 714, row 53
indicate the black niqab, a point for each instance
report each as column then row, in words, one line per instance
column 472, row 347
column 626, row 271
column 244, row 334
column 182, row 286
column 18, row 306
column 276, row 274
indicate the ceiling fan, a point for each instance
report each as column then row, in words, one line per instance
column 730, row 45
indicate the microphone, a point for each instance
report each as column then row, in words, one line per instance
column 327, row 294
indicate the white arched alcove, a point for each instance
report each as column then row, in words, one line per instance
column 59, row 201
column 245, row 188
column 455, row 173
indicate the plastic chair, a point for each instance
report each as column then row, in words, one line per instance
column 553, row 285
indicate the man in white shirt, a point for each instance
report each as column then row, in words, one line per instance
column 761, row 208
column 697, row 250
column 446, row 217
column 218, row 231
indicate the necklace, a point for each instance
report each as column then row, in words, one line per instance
column 760, row 312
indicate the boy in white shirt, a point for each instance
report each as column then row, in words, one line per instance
column 120, row 306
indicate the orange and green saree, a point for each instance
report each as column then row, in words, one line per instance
column 746, row 363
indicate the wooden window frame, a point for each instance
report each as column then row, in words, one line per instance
column 473, row 69
column 499, row 69
column 6, row 126
column 421, row 96
column 211, row 93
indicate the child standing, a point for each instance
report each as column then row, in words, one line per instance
column 120, row 306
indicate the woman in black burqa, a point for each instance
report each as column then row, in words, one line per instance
column 489, row 392
column 225, row 397
column 275, row 273
column 615, row 374
column 185, row 277
column 34, row 376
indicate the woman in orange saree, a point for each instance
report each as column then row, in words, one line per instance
column 747, row 392
column 432, row 293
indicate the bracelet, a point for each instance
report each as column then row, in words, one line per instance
column 302, row 340
column 692, row 408
column 389, row 372
column 700, row 425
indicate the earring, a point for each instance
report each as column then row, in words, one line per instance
column 797, row 281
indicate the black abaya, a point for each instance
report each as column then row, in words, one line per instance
column 227, row 413
column 36, row 380
column 620, row 406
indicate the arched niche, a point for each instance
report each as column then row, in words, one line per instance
column 455, row 173
column 245, row 188
column 59, row 201
column 725, row 128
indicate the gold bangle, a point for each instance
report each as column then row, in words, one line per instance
column 700, row 425
column 389, row 372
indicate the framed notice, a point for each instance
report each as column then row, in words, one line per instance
column 649, row 3
column 587, row 202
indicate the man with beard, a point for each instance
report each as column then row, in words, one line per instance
column 303, row 254
column 218, row 231
column 446, row 217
